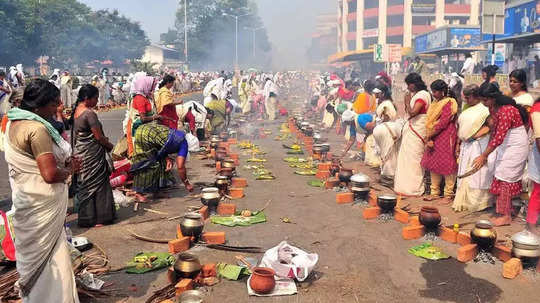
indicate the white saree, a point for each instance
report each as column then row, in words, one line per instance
column 43, row 258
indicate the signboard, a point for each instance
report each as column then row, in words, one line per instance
column 378, row 53
column 500, row 54
column 394, row 52
column 422, row 8
column 464, row 37
column 431, row 41
column 370, row 33
column 519, row 20
column 493, row 17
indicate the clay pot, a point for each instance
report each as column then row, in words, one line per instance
column 345, row 175
column 430, row 216
column 484, row 234
column 187, row 266
column 262, row 280
column 192, row 225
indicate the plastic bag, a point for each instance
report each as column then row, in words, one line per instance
column 121, row 199
column 289, row 261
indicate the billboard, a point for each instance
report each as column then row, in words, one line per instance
column 519, row 20
column 431, row 41
column 464, row 37
column 448, row 37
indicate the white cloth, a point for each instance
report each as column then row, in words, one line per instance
column 512, row 155
column 388, row 108
column 43, row 259
column 533, row 169
column 525, row 100
column 470, row 150
column 468, row 67
column 387, row 136
column 269, row 87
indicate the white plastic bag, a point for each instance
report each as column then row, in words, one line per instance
column 298, row 267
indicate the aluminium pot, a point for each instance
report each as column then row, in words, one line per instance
column 387, row 202
column 525, row 245
column 192, row 225
column 187, row 266
column 430, row 217
column 210, row 197
column 360, row 180
column 345, row 174
column 484, row 234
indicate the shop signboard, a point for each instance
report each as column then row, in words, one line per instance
column 431, row 41
column 500, row 54
column 378, row 53
column 519, row 20
column 464, row 37
column 394, row 52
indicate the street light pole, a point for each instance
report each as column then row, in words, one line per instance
column 253, row 30
column 236, row 35
column 185, row 32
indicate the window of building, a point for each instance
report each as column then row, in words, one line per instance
column 369, row 42
column 394, row 40
column 370, row 23
column 395, row 2
column 370, row 4
column 351, row 45
column 395, row 20
column 352, row 26
column 422, row 20
column 352, row 6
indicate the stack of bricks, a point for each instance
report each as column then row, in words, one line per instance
column 468, row 250
column 323, row 171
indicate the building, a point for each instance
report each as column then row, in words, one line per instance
column 364, row 23
column 323, row 39
column 162, row 56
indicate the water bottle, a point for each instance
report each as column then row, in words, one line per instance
column 69, row 234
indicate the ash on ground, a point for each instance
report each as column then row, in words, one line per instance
column 529, row 268
column 385, row 217
column 431, row 236
column 341, row 189
column 361, row 202
column 484, row 257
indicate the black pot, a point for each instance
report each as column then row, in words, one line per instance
column 345, row 175
column 387, row 202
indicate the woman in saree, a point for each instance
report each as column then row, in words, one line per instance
column 165, row 103
column 441, row 139
column 219, row 107
column 354, row 123
column 93, row 199
column 141, row 110
column 518, row 87
column 509, row 140
column 473, row 191
column 488, row 74
column 534, row 170
column 40, row 165
column 151, row 162
column 409, row 177
column 387, row 134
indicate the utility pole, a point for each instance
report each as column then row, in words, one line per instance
column 253, row 31
column 185, row 31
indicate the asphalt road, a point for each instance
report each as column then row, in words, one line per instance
column 359, row 260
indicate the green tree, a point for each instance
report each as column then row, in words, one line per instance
column 211, row 35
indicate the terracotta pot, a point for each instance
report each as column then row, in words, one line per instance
column 236, row 193
column 262, row 280
column 430, row 216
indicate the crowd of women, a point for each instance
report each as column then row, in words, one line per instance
column 470, row 154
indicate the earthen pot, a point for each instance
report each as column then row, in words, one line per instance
column 430, row 216
column 262, row 280
column 345, row 175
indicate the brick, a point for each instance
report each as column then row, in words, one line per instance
column 401, row 216
column 234, row 156
column 183, row 285
column 232, row 141
column 324, row 166
column 212, row 153
column 414, row 221
column 226, row 209
column 236, row 193
column 413, row 232
column 512, row 268
column 467, row 252
column 463, row 238
column 238, row 182
column 166, row 301
column 331, row 182
column 502, row 252
column 372, row 198
column 179, row 234
column 214, row 237
column 316, row 156
column 179, row 245
column 448, row 234
column 223, row 144
column 322, row 174
column 204, row 212
column 218, row 166
column 343, row 198
column 371, row 213
column 209, row 270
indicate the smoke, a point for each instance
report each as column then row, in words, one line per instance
column 290, row 24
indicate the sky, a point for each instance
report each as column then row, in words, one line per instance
column 289, row 22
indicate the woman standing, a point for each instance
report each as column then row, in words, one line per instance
column 40, row 164
column 473, row 191
column 409, row 178
column 518, row 86
column 94, row 198
column 165, row 104
column 534, row 170
column 441, row 139
column 151, row 163
column 511, row 141
column 488, row 74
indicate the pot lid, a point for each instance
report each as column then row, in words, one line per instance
column 526, row 237
column 360, row 189
column 484, row 224
column 360, row 178
column 387, row 197
column 193, row 215
column 210, row 190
